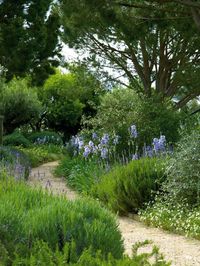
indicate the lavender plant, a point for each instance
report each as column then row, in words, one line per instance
column 14, row 163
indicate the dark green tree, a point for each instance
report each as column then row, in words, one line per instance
column 157, row 52
column 29, row 42
column 178, row 7
column 19, row 104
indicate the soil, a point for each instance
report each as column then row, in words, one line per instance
column 181, row 251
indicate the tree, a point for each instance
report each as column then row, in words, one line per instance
column 66, row 97
column 180, row 7
column 19, row 104
column 157, row 53
column 29, row 42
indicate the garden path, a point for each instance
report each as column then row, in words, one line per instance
column 180, row 250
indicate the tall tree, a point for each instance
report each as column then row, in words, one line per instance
column 29, row 33
column 180, row 7
column 158, row 53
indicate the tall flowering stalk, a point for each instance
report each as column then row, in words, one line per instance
column 104, row 147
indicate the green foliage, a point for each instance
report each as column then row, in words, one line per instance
column 16, row 139
column 127, row 188
column 43, row 154
column 45, row 137
column 68, row 96
column 19, row 104
column 41, row 253
column 176, row 217
column 28, row 215
column 183, row 170
column 6, row 155
column 4, row 257
column 80, row 174
column 122, row 108
column 113, row 34
column 29, row 28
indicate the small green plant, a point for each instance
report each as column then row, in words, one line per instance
column 127, row 188
column 16, row 139
column 42, row 254
column 80, row 174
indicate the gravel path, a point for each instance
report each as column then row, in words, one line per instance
column 42, row 176
column 181, row 251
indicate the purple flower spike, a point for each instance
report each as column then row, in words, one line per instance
column 135, row 156
column 159, row 144
column 104, row 153
column 133, row 131
column 86, row 152
column 149, row 151
column 91, row 144
column 105, row 139
column 94, row 135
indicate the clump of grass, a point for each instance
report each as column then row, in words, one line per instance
column 80, row 174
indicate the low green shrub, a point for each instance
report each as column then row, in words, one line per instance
column 43, row 153
column 127, row 188
column 16, row 139
column 28, row 215
column 173, row 216
column 80, row 174
column 45, row 137
column 183, row 170
column 41, row 254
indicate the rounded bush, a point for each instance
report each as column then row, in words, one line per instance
column 46, row 137
column 29, row 215
column 127, row 188
column 16, row 139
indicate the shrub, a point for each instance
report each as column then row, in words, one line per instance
column 19, row 104
column 28, row 215
column 16, row 139
column 176, row 217
column 80, row 174
column 183, row 170
column 127, row 188
column 41, row 253
column 45, row 137
column 122, row 108
column 43, row 154
column 14, row 162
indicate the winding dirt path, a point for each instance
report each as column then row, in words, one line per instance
column 181, row 251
